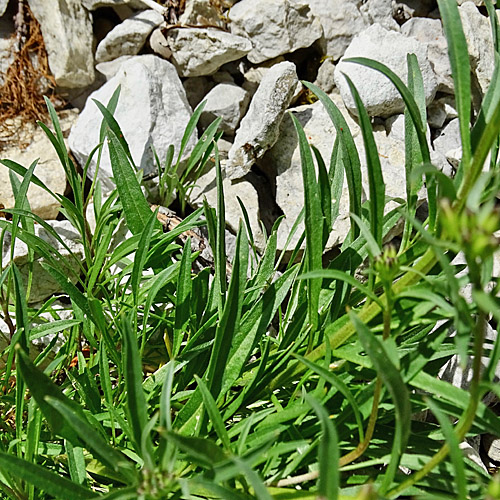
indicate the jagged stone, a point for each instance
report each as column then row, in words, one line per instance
column 152, row 110
column 260, row 127
column 377, row 92
column 128, row 37
column 67, row 33
column 275, row 28
column 202, row 51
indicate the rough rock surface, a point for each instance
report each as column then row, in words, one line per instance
column 49, row 170
column 3, row 6
column 228, row 101
column 67, row 34
column 430, row 32
column 341, row 21
column 128, row 37
column 477, row 32
column 381, row 12
column 96, row 4
column 377, row 92
column 152, row 110
column 275, row 28
column 6, row 41
column 202, row 51
column 202, row 13
column 43, row 284
column 259, row 128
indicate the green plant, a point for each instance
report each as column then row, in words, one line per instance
column 246, row 385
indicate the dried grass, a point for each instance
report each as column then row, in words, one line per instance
column 26, row 81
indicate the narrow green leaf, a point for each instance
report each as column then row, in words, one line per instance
column 313, row 218
column 142, row 253
column 350, row 157
column 397, row 388
column 258, row 486
column 214, row 414
column 325, row 190
column 375, row 179
column 135, row 206
column 44, row 479
column 183, row 298
column 76, row 463
column 328, row 453
column 460, row 70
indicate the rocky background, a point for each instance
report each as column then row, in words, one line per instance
column 245, row 59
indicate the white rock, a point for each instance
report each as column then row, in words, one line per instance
column 430, row 32
column 325, row 78
column 152, row 110
column 228, row 101
column 49, row 170
column 200, row 12
column 260, row 127
column 202, row 51
column 477, row 32
column 449, row 139
column 275, row 28
column 159, row 44
column 128, row 37
column 377, row 92
column 7, row 29
column 67, row 33
column 206, row 188
column 43, row 284
column 110, row 68
column 3, row 6
column 341, row 21
column 380, row 11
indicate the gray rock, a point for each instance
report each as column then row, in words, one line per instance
column 202, row 51
column 197, row 88
column 377, row 92
column 228, row 101
column 260, row 127
column 3, row 6
column 449, row 139
column 7, row 29
column 128, row 37
column 49, row 169
column 152, row 110
column 325, row 78
column 440, row 111
column 275, row 28
column 380, row 11
column 43, row 285
column 341, row 21
column 430, row 32
column 110, row 68
column 67, row 33
column 159, row 44
column 477, row 32
column 202, row 13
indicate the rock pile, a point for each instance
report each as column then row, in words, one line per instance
column 245, row 59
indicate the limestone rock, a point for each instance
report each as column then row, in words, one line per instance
column 449, row 139
column 430, row 32
column 380, row 11
column 159, row 44
column 110, row 68
column 325, row 78
column 43, row 284
column 275, row 28
column 197, row 88
column 440, row 111
column 260, row 127
column 128, row 37
column 477, row 32
column 49, row 170
column 377, row 92
column 228, row 101
column 67, row 33
column 6, row 56
column 200, row 12
column 3, row 6
column 341, row 21
column 202, row 51
column 152, row 110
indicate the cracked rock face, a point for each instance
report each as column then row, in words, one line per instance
column 377, row 92
column 202, row 51
column 276, row 27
